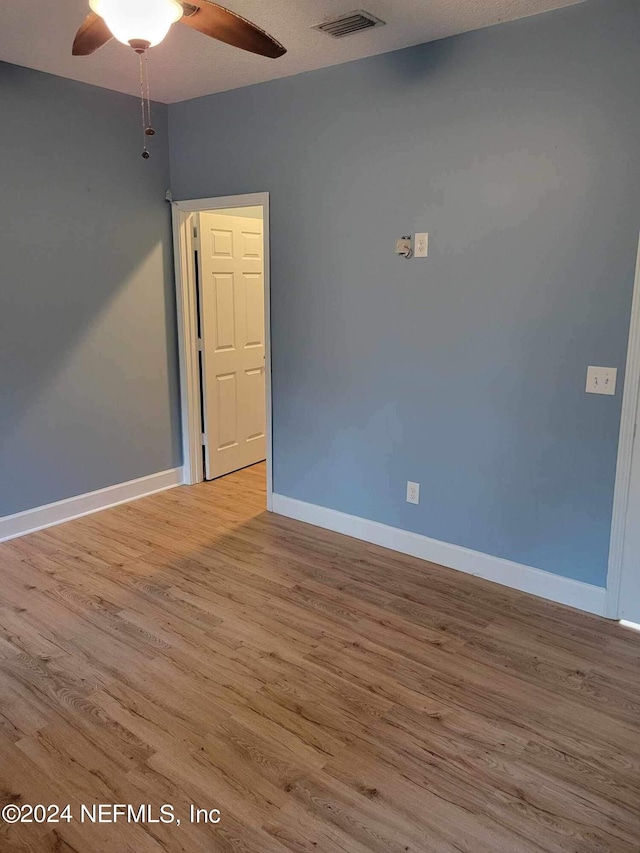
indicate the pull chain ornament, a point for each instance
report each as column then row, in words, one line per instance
column 145, row 101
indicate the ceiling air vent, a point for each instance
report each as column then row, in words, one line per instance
column 346, row 25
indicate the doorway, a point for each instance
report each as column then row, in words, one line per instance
column 221, row 250
column 230, row 272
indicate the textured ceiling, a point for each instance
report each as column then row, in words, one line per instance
column 38, row 34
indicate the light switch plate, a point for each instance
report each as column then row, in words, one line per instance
column 601, row 380
column 421, row 246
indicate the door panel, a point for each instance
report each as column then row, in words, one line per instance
column 232, row 327
column 221, row 243
column 254, row 410
column 225, row 312
column 226, row 414
column 251, row 244
column 254, row 288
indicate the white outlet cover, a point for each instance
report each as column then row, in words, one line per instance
column 601, row 380
column 413, row 493
column 421, row 246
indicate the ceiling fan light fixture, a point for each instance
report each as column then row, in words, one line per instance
column 138, row 20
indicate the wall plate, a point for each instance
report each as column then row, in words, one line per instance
column 421, row 245
column 601, row 380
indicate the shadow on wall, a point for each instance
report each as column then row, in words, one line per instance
column 401, row 66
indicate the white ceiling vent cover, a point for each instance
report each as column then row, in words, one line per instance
column 346, row 25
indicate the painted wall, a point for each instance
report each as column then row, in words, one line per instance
column 517, row 148
column 88, row 388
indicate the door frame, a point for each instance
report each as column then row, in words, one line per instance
column 183, row 214
column 625, row 454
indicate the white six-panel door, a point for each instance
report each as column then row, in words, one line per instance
column 231, row 270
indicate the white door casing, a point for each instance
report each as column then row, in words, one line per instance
column 623, row 580
column 231, row 267
column 629, row 606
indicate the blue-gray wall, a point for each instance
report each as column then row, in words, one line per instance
column 517, row 149
column 88, row 379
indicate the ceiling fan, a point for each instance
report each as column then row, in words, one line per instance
column 142, row 24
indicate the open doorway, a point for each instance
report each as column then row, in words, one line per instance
column 222, row 287
column 230, row 284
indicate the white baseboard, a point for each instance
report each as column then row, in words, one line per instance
column 582, row 596
column 31, row 520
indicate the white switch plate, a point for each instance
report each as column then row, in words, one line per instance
column 601, row 380
column 421, row 244
column 413, row 493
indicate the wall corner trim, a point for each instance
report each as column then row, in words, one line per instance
column 31, row 520
column 582, row 596
column 625, row 452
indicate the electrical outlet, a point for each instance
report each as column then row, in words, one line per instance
column 413, row 493
column 421, row 244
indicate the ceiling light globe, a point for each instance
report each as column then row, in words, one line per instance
column 138, row 20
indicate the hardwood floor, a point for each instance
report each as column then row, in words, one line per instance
column 325, row 695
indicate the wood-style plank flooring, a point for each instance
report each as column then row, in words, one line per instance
column 323, row 694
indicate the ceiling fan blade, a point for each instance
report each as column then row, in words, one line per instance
column 92, row 34
column 226, row 26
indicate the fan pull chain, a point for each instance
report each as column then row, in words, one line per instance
column 145, row 103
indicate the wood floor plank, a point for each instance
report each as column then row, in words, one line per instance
column 325, row 694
